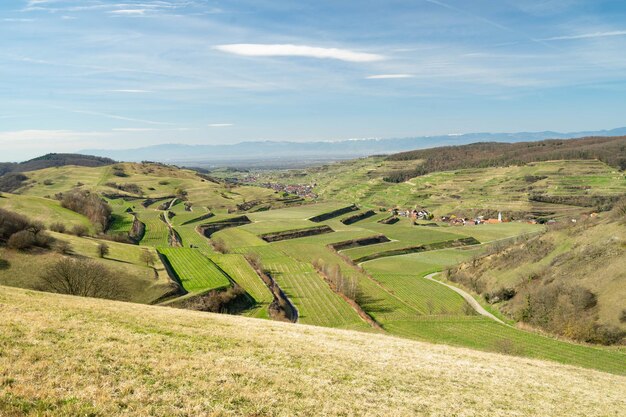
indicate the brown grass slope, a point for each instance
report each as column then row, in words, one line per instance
column 570, row 281
column 61, row 355
column 610, row 150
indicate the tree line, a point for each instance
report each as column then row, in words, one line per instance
column 611, row 150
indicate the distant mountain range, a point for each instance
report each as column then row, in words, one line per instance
column 285, row 153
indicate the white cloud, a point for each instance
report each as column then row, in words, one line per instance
column 587, row 35
column 134, row 129
column 116, row 117
column 251, row 49
column 129, row 12
column 221, row 125
column 33, row 139
column 388, row 76
column 21, row 20
column 131, row 91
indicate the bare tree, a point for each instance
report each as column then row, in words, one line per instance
column 147, row 257
column 84, row 278
column 219, row 245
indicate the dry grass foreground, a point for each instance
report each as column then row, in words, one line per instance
column 61, row 355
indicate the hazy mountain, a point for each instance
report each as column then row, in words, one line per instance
column 274, row 152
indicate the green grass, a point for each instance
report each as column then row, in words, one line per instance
column 196, row 272
column 156, row 229
column 44, row 210
column 317, row 304
column 143, row 284
column 190, row 236
column 481, row 333
column 242, row 273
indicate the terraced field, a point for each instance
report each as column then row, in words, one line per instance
column 317, row 304
column 238, row 268
column 156, row 229
column 196, row 272
column 190, row 236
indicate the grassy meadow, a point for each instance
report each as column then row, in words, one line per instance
column 61, row 355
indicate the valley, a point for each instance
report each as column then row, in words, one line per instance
column 183, row 239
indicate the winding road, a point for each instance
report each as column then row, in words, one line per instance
column 475, row 305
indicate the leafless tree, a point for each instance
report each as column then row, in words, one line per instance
column 147, row 257
column 84, row 278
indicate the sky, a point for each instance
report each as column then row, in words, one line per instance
column 122, row 74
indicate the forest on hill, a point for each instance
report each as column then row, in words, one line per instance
column 610, row 150
column 54, row 160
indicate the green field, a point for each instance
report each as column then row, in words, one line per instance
column 44, row 210
column 238, row 268
column 156, row 229
column 196, row 272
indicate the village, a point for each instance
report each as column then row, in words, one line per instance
column 423, row 214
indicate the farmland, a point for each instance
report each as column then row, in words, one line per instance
column 392, row 296
column 196, row 272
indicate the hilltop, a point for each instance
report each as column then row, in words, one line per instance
column 63, row 355
column 55, row 160
column 610, row 150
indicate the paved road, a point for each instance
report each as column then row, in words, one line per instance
column 475, row 305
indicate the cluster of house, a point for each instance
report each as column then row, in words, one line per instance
column 462, row 221
column 301, row 190
column 415, row 214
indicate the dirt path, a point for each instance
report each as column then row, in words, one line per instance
column 475, row 305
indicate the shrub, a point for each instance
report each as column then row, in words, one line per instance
column 21, row 240
column 89, row 205
column 622, row 316
column 103, row 250
column 217, row 301
column 507, row 347
column 4, row 264
column 58, row 227
column 11, row 223
column 80, row 230
column 63, row 247
column 82, row 277
column 11, row 182
column 219, row 245
column 501, row 294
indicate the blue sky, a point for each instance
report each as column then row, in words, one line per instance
column 117, row 74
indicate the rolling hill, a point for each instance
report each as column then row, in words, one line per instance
column 80, row 356
column 329, row 260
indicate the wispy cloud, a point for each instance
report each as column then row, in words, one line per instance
column 116, row 117
column 134, row 129
column 587, row 35
column 131, row 91
column 129, row 12
column 221, row 125
column 253, row 49
column 21, row 20
column 20, row 136
column 388, row 76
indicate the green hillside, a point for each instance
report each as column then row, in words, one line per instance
column 216, row 240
